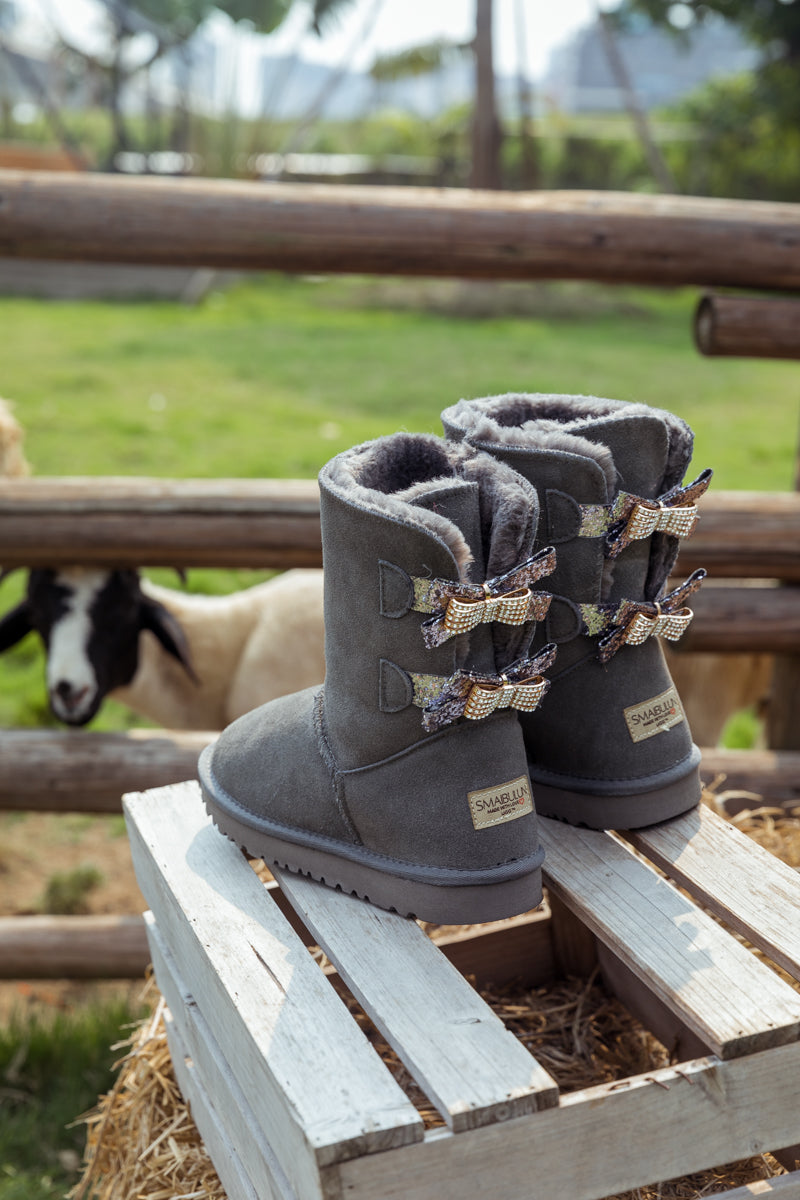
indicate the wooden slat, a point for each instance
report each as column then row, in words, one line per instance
column 748, row 326
column 603, row 1140
column 273, row 522
column 234, row 1115
column 459, row 1052
column 616, row 237
column 159, row 522
column 730, row 874
column 782, row 1187
column 317, row 1088
column 733, row 1002
column 52, row 770
column 222, row 1151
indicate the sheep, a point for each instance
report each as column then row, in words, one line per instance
column 12, row 460
column 200, row 662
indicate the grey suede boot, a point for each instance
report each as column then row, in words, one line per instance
column 397, row 780
column 611, row 747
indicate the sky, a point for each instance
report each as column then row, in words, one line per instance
column 392, row 25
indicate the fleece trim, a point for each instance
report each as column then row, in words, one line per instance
column 391, row 476
column 553, row 421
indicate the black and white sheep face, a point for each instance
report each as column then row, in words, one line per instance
column 89, row 620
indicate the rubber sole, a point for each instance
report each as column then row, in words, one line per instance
column 426, row 893
column 607, row 811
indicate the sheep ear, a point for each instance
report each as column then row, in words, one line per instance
column 160, row 621
column 15, row 625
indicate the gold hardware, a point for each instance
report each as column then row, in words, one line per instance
column 648, row 517
column 486, row 698
column 510, row 609
column 667, row 625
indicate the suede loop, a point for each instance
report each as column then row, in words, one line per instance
column 395, row 689
column 396, row 590
column 564, row 621
column 564, row 517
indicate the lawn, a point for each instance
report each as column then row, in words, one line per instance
column 275, row 375
column 270, row 378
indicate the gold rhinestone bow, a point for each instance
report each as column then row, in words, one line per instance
column 667, row 625
column 508, row 599
column 632, row 622
column 631, row 518
column 444, row 699
column 486, row 698
column 511, row 609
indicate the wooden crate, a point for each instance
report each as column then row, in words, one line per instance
column 293, row 1102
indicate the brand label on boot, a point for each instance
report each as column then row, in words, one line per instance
column 654, row 716
column 494, row 805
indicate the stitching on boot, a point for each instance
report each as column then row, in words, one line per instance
column 396, row 590
column 328, row 757
column 563, row 622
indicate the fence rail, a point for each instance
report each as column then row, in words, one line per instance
column 610, row 237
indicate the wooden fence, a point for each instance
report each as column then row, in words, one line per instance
column 749, row 542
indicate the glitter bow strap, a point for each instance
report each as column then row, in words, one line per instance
column 632, row 622
column 469, row 694
column 508, row 599
column 631, row 518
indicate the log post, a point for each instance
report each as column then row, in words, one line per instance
column 747, row 326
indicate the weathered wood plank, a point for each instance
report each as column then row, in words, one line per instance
column 318, row 1090
column 458, row 1051
column 748, row 326
column 619, row 1136
column 221, row 1149
column 730, row 874
column 52, row 770
column 233, row 1112
column 733, row 1002
column 616, row 237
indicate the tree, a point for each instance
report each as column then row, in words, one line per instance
column 729, row 112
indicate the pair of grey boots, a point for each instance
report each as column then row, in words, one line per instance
column 537, row 537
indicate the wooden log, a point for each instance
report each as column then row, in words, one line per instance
column 743, row 619
column 48, row 947
column 747, row 327
column 160, row 522
column 744, row 535
column 607, row 236
column 123, row 521
column 52, row 770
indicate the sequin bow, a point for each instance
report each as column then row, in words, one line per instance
column 468, row 694
column 634, row 622
column 507, row 599
column 674, row 513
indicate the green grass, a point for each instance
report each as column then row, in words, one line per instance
column 275, row 375
column 51, row 1071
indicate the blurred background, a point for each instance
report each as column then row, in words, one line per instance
column 698, row 97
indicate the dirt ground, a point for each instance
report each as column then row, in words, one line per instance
column 34, row 847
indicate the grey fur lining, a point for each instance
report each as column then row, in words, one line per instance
column 387, row 475
column 553, row 421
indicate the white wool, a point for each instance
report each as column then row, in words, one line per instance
column 247, row 648
column 12, row 460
